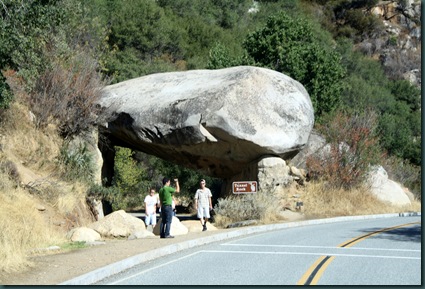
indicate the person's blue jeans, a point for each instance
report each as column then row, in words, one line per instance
column 167, row 217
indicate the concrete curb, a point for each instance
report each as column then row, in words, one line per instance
column 117, row 267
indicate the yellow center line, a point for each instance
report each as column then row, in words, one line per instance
column 361, row 238
column 315, row 272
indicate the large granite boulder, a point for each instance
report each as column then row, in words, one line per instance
column 217, row 121
column 385, row 189
column 118, row 224
column 83, row 234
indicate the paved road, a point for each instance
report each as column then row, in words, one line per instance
column 359, row 252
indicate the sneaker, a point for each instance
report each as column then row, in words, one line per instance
column 205, row 228
column 169, row 236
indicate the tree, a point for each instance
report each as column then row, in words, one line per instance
column 219, row 57
column 129, row 180
column 288, row 45
column 127, row 175
column 142, row 38
column 407, row 93
column 5, row 93
column 400, row 133
column 396, row 102
column 35, row 34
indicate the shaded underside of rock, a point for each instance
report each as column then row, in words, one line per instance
column 214, row 120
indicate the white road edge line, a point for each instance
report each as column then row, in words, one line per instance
column 153, row 268
column 320, row 247
column 317, row 254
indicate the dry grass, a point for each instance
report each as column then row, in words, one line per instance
column 25, row 145
column 22, row 227
column 236, row 208
column 321, row 202
column 31, row 155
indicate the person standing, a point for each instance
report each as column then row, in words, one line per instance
column 150, row 208
column 203, row 204
column 166, row 199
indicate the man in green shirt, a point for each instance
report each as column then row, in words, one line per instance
column 166, row 200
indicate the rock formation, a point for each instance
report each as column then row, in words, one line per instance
column 119, row 224
column 385, row 189
column 216, row 121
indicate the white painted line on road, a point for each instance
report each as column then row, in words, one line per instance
column 152, row 268
column 304, row 253
column 320, row 247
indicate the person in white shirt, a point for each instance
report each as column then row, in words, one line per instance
column 151, row 202
column 203, row 204
column 173, row 206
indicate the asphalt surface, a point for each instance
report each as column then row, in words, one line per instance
column 359, row 252
column 199, row 239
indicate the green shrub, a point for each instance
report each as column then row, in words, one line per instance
column 218, row 57
column 126, row 173
column 6, row 95
column 400, row 133
column 392, row 40
column 364, row 24
column 289, row 45
column 111, row 195
column 77, row 164
column 131, row 181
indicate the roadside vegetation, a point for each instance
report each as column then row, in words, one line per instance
column 320, row 200
column 55, row 57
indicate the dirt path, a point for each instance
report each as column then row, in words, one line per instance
column 57, row 268
column 52, row 269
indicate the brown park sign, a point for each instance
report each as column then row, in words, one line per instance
column 248, row 187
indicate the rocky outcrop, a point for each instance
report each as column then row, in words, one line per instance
column 387, row 190
column 217, row 121
column 379, row 183
column 398, row 45
column 272, row 174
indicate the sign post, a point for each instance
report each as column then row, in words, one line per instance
column 248, row 187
